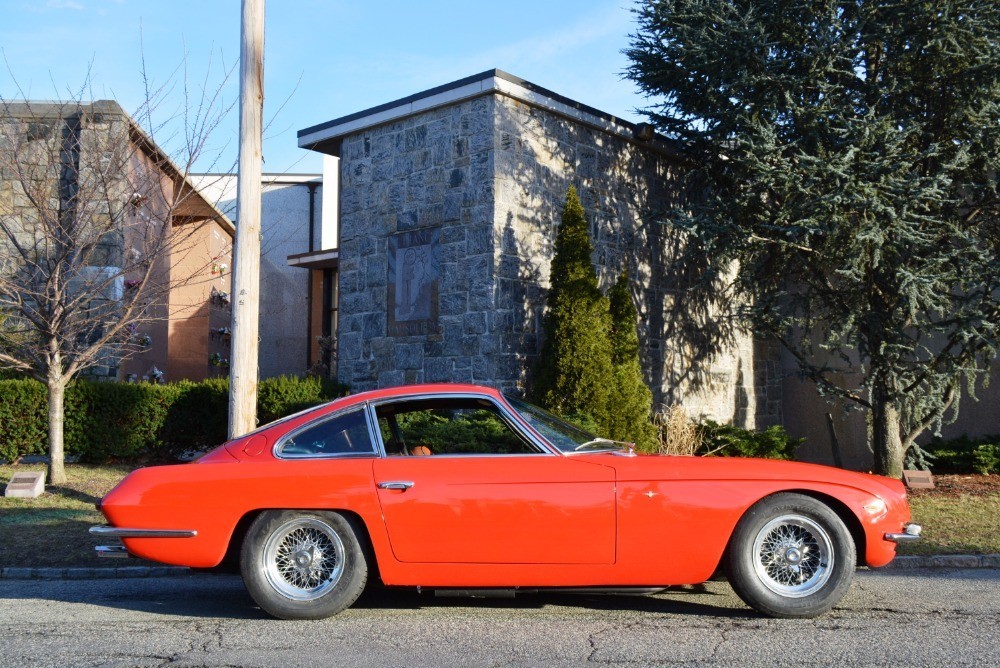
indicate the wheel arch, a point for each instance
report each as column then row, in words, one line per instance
column 231, row 561
column 840, row 508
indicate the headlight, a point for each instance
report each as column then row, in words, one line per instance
column 875, row 506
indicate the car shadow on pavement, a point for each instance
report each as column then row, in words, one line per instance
column 195, row 596
column 204, row 596
column 686, row 600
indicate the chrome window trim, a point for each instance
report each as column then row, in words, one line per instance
column 531, row 430
column 568, row 453
column 374, row 430
column 514, row 421
column 280, row 443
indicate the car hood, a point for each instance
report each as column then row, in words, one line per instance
column 670, row 467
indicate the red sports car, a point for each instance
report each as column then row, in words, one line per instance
column 462, row 489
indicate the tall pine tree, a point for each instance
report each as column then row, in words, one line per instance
column 631, row 402
column 845, row 157
column 574, row 370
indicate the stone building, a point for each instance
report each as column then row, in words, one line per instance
column 98, row 164
column 448, row 204
column 440, row 215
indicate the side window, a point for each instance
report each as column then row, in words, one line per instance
column 346, row 434
column 456, row 426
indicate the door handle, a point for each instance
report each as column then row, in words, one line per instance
column 402, row 485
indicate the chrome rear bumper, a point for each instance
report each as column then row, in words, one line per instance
column 112, row 551
column 116, row 532
column 911, row 532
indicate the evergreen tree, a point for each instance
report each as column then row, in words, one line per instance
column 631, row 402
column 845, row 157
column 573, row 373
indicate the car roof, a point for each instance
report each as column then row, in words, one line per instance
column 416, row 389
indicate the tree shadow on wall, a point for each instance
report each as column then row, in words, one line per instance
column 521, row 298
column 627, row 188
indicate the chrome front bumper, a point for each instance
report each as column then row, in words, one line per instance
column 119, row 551
column 911, row 532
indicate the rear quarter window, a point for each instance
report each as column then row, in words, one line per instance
column 343, row 434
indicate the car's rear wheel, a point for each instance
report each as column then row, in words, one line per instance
column 791, row 556
column 303, row 565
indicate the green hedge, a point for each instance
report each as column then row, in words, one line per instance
column 964, row 455
column 24, row 425
column 115, row 421
column 725, row 440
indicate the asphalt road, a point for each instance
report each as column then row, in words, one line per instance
column 904, row 618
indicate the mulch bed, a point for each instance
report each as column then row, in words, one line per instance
column 961, row 485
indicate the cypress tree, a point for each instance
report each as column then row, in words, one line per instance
column 574, row 371
column 631, row 401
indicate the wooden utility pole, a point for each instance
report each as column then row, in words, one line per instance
column 246, row 247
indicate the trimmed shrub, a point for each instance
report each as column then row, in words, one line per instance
column 725, row 440
column 573, row 371
column 284, row 395
column 964, row 455
column 108, row 421
column 986, row 458
column 630, row 402
column 141, row 421
column 24, row 422
column 197, row 419
column 584, row 421
column 472, row 431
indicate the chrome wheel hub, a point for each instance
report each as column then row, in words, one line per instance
column 793, row 556
column 303, row 559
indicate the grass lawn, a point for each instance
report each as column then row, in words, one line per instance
column 52, row 529
column 961, row 516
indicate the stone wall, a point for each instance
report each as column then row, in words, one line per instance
column 432, row 171
column 476, row 189
column 624, row 187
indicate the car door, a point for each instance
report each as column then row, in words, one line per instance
column 466, row 504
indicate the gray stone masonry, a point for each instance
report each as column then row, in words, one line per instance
column 491, row 174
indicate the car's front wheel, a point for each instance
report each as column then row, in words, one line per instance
column 303, row 565
column 791, row 556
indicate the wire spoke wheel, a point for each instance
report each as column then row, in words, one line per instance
column 793, row 556
column 303, row 559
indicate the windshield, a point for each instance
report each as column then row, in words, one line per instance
column 558, row 432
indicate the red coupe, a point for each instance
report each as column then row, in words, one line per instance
column 462, row 489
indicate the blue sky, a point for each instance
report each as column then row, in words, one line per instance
column 323, row 58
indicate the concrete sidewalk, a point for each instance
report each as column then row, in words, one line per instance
column 103, row 573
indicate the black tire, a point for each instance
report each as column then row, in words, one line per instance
column 303, row 564
column 790, row 556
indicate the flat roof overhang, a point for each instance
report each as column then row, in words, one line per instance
column 326, row 137
column 322, row 259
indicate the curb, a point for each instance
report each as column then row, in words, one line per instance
column 945, row 561
column 101, row 573
column 941, row 561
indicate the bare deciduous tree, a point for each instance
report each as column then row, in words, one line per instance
column 97, row 226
